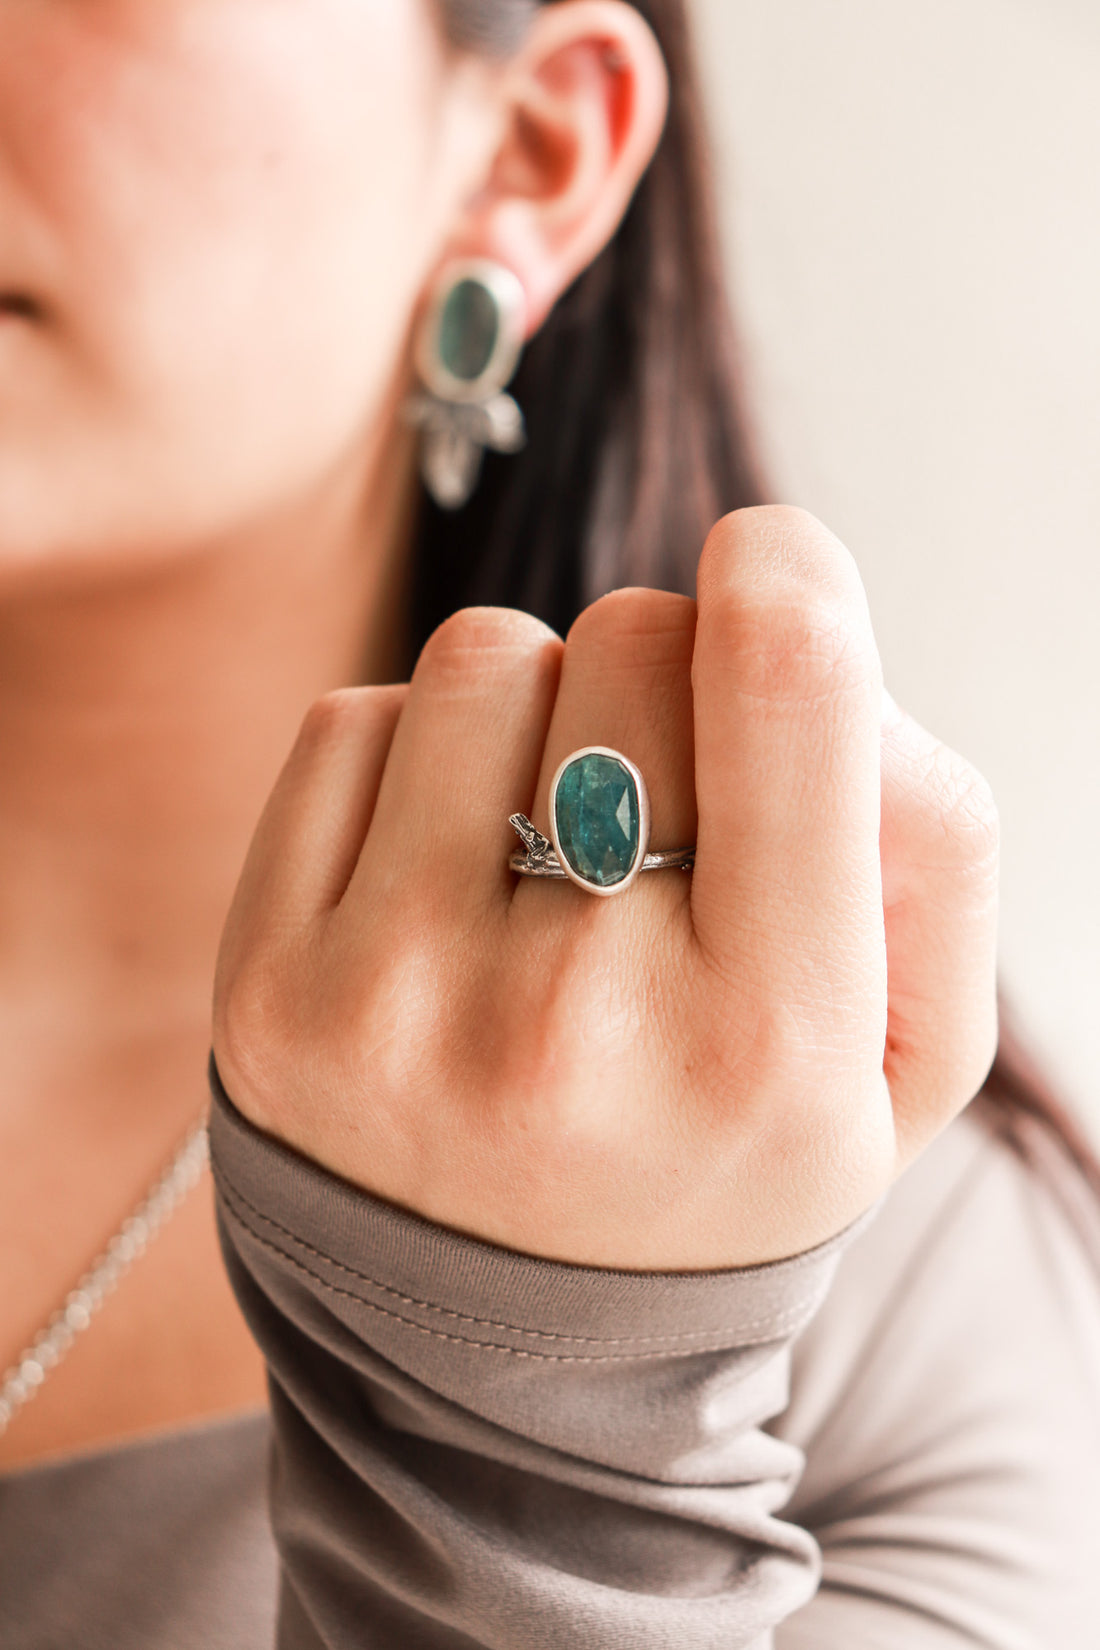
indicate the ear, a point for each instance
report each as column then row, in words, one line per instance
column 584, row 103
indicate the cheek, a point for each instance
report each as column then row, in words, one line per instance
column 230, row 205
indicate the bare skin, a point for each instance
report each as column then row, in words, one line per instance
column 205, row 320
column 713, row 1071
column 141, row 726
column 716, row 1071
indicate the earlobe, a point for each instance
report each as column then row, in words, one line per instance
column 585, row 102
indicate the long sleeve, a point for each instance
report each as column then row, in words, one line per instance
column 947, row 1403
column 477, row 1448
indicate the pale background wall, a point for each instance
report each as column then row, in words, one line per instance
column 910, row 193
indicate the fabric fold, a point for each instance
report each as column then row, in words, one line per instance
column 479, row 1448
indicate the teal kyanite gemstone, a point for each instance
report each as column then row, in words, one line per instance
column 597, row 819
column 468, row 330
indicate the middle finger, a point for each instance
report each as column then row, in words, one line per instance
column 626, row 684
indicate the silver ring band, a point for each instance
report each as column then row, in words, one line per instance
column 660, row 859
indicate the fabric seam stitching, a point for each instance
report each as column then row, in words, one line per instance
column 781, row 1322
column 781, row 1327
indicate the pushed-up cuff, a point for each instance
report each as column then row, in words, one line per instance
column 477, row 1447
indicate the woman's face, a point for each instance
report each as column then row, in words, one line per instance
column 216, row 219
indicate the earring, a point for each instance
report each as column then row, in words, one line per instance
column 467, row 350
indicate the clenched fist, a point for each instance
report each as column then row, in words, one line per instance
column 708, row 1070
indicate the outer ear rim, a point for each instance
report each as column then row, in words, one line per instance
column 509, row 230
column 628, row 47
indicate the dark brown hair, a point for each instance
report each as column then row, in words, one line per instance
column 638, row 442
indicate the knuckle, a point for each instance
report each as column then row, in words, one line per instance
column 936, row 1076
column 634, row 618
column 253, row 1018
column 482, row 640
column 344, row 712
column 775, row 545
column 328, row 716
column 801, row 645
column 966, row 811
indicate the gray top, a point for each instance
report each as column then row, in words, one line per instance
column 890, row 1443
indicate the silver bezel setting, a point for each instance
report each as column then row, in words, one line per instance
column 511, row 302
column 643, row 820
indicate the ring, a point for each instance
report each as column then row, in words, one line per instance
column 599, row 827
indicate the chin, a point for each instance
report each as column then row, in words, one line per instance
column 48, row 545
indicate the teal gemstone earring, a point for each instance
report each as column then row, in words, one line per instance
column 467, row 350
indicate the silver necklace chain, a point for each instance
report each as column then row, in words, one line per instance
column 21, row 1382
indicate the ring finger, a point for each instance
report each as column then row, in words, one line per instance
column 470, row 737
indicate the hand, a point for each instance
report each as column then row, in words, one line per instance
column 706, row 1071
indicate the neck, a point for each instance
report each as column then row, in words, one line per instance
column 142, row 723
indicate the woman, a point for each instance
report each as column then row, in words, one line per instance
column 525, row 1195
